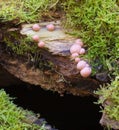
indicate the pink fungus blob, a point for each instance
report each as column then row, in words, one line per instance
column 85, row 72
column 50, row 27
column 41, row 44
column 87, row 65
column 82, row 51
column 35, row 38
column 81, row 64
column 36, row 27
column 77, row 59
column 79, row 42
column 75, row 49
column 74, row 55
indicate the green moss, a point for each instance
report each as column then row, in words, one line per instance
column 25, row 10
column 97, row 23
column 110, row 93
column 12, row 117
column 21, row 46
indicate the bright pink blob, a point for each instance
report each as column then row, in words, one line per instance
column 41, row 44
column 36, row 38
column 79, row 42
column 77, row 59
column 85, row 72
column 50, row 27
column 81, row 64
column 74, row 55
column 36, row 27
column 82, row 51
column 75, row 49
column 87, row 65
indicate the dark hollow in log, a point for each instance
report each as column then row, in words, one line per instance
column 64, row 113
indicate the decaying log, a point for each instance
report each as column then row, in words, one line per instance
column 63, row 75
column 106, row 121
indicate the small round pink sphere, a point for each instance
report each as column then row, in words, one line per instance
column 81, row 64
column 74, row 55
column 82, row 51
column 85, row 72
column 50, row 27
column 41, row 44
column 36, row 27
column 87, row 65
column 77, row 59
column 36, row 38
column 75, row 49
column 79, row 42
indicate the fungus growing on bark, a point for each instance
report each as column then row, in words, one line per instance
column 50, row 27
column 41, row 44
column 82, row 51
column 86, row 71
column 36, row 27
column 75, row 48
column 79, row 42
column 81, row 64
column 74, row 55
column 77, row 59
column 36, row 38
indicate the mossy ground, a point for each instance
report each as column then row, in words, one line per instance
column 12, row 117
column 96, row 22
column 25, row 10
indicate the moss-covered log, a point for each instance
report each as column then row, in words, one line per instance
column 51, row 68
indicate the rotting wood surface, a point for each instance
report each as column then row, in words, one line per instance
column 64, row 78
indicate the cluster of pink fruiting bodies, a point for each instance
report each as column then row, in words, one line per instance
column 76, row 50
column 36, row 27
